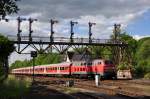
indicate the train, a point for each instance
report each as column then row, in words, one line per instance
column 78, row 68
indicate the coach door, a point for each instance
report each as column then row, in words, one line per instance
column 58, row 70
column 70, row 69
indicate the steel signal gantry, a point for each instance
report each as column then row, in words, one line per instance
column 19, row 19
column 30, row 28
column 90, row 31
column 72, row 32
column 116, row 30
column 52, row 31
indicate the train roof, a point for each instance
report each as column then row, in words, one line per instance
column 47, row 65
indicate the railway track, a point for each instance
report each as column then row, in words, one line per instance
column 81, row 95
column 75, row 95
column 110, row 87
column 127, row 82
column 114, row 90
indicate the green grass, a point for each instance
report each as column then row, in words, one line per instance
column 14, row 88
column 1, row 78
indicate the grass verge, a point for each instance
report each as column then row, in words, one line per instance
column 14, row 88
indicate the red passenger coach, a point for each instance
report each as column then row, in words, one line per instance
column 80, row 67
column 61, row 68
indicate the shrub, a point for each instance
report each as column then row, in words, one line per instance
column 123, row 66
column 147, row 76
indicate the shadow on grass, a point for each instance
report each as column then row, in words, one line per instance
column 14, row 88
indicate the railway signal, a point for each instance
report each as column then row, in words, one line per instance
column 90, row 31
column 19, row 20
column 52, row 31
column 33, row 55
column 116, row 30
column 72, row 32
column 30, row 28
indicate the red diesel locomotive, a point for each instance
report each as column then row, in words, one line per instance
column 83, row 68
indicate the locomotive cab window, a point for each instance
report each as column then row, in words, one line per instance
column 89, row 64
column 108, row 62
column 99, row 63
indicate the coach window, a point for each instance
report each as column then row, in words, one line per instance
column 83, row 69
column 84, row 64
column 61, row 68
column 99, row 63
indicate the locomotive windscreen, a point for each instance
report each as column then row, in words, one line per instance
column 108, row 62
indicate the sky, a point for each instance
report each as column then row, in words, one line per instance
column 133, row 15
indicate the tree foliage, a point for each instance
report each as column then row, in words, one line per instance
column 143, row 56
column 8, row 7
column 6, row 48
column 42, row 59
column 131, row 49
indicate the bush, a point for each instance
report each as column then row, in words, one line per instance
column 139, row 71
column 123, row 66
column 147, row 76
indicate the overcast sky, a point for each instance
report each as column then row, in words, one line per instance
column 133, row 15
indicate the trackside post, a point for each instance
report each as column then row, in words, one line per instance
column 97, row 80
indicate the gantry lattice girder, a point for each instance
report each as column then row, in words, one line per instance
column 60, row 43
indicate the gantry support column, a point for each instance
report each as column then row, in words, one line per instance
column 30, row 28
column 90, row 31
column 71, row 31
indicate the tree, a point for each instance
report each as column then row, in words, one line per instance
column 8, row 7
column 124, row 55
column 143, row 56
column 50, row 58
column 6, row 47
